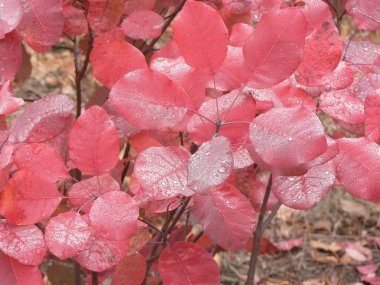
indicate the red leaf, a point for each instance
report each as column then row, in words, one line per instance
column 26, row 244
column 10, row 48
column 42, row 23
column 201, row 36
column 8, row 103
column 256, row 192
column 211, row 165
column 114, row 215
column 131, row 6
column 67, row 234
column 303, row 192
column 102, row 253
column 358, row 167
column 94, row 142
column 272, row 59
column 185, row 76
column 162, row 172
column 366, row 13
column 75, row 23
column 280, row 133
column 232, row 107
column 239, row 34
column 237, row 7
column 226, row 216
column 143, row 24
column 10, row 15
column 347, row 110
column 15, row 273
column 82, row 194
column 322, row 53
column 130, row 270
column 361, row 54
column 28, row 199
column 188, row 264
column 288, row 245
column 42, row 120
column 157, row 102
column 111, row 60
column 372, row 117
column 41, row 159
column 103, row 15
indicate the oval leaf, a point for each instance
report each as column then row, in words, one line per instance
column 201, row 36
column 303, row 192
column 28, row 199
column 144, row 24
column 26, row 244
column 41, row 159
column 130, row 270
column 162, row 172
column 94, row 142
column 42, row 120
column 211, row 165
column 10, row 15
column 285, row 139
column 358, row 167
column 67, row 234
column 14, row 273
column 82, row 194
column 226, row 216
column 157, row 102
column 103, row 15
column 10, row 61
column 42, row 23
column 273, row 58
column 114, row 215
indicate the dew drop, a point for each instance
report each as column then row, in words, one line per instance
column 290, row 139
column 222, row 169
column 163, row 183
column 291, row 178
column 207, row 153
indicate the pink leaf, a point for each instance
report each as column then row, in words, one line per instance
column 372, row 117
column 94, row 142
column 111, row 60
column 157, row 102
column 358, row 167
column 82, row 193
column 130, row 270
column 42, row 23
column 8, row 103
column 201, row 36
column 366, row 13
column 285, row 139
column 143, row 24
column 114, row 215
column 66, row 234
column 361, row 54
column 322, row 53
column 226, row 216
column 28, row 199
column 14, row 273
column 211, row 165
column 290, row 244
column 75, row 23
column 102, row 253
column 235, row 106
column 188, row 264
column 162, row 172
column 303, row 192
column 273, row 57
column 42, row 159
column 239, row 34
column 42, row 120
column 10, row 15
column 103, row 15
column 26, row 244
column 238, row 7
column 347, row 110
column 10, row 48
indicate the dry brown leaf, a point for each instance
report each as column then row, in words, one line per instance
column 331, row 247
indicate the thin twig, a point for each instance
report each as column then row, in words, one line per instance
column 149, row 224
column 257, row 234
